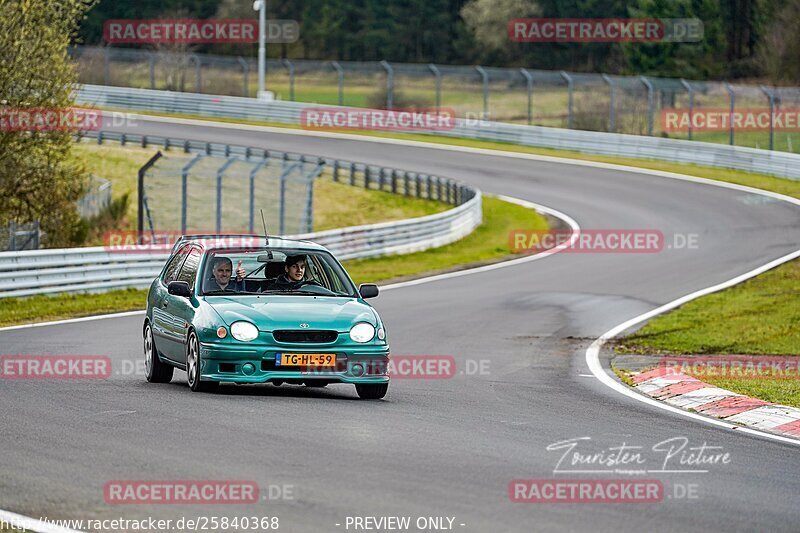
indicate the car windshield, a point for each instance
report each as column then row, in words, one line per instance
column 280, row 271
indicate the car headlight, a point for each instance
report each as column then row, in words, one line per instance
column 244, row 331
column 362, row 332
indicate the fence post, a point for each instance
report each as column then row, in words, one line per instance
column 529, row 84
column 246, row 73
column 340, row 76
column 650, row 104
column 106, row 66
column 438, row 74
column 152, row 71
column 394, row 181
column 220, row 173
column 184, row 189
column 335, row 170
column 732, row 96
column 771, row 96
column 290, row 66
column 140, row 190
column 405, row 183
column 485, row 77
column 352, row 173
column 381, row 171
column 366, row 176
column 198, row 81
column 570, row 90
column 417, row 185
column 690, row 90
column 612, row 96
column 389, row 84
column 252, row 209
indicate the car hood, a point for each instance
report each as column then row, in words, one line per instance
column 271, row 313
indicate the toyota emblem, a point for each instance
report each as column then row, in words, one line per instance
column 304, row 325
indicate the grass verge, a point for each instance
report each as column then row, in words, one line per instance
column 489, row 242
column 757, row 317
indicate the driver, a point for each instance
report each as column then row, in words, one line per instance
column 221, row 271
column 293, row 276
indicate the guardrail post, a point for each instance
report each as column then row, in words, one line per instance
column 438, row 76
column 690, row 90
column 650, row 104
column 428, row 188
column 394, row 181
column 381, row 172
column 771, row 96
column 186, row 146
column 529, row 85
column 99, row 137
column 570, row 91
column 290, row 66
column 418, row 186
column 340, row 77
column 438, row 188
column 485, row 77
column 732, row 96
column 352, row 173
column 152, row 71
column 198, row 81
column 389, row 84
column 335, row 170
column 612, row 108
column 144, row 141
column 122, row 139
column 140, row 191
column 405, row 183
column 246, row 87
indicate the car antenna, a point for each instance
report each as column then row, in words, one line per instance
column 266, row 236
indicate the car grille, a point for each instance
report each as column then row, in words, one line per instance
column 292, row 335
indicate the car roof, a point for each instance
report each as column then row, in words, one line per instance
column 245, row 240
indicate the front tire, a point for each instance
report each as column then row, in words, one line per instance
column 371, row 391
column 155, row 370
column 193, row 367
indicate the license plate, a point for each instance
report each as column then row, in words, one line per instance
column 305, row 359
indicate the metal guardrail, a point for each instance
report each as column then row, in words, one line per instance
column 53, row 271
column 780, row 164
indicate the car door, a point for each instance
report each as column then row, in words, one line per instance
column 165, row 331
column 181, row 309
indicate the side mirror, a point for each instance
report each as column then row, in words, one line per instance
column 368, row 290
column 179, row 288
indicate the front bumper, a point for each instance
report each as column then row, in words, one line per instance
column 256, row 364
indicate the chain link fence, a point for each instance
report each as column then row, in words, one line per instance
column 15, row 237
column 595, row 102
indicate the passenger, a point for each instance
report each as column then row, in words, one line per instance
column 222, row 268
column 293, row 276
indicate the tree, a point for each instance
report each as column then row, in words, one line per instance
column 39, row 179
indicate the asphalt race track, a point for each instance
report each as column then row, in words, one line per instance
column 433, row 448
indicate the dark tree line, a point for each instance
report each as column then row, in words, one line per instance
column 743, row 38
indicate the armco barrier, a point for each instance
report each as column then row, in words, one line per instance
column 97, row 269
column 782, row 164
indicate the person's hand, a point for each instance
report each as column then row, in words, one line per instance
column 240, row 273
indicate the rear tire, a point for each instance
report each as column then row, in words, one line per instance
column 156, row 371
column 193, row 367
column 371, row 391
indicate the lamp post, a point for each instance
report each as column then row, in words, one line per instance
column 261, row 7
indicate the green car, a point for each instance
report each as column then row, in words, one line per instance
column 244, row 309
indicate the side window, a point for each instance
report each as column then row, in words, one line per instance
column 174, row 265
column 189, row 268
